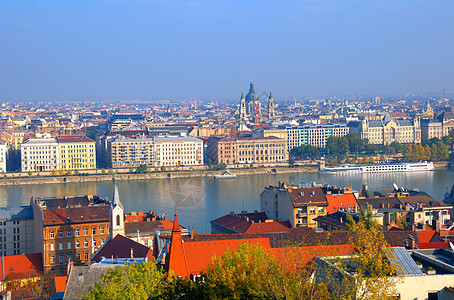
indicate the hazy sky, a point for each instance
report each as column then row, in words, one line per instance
column 131, row 49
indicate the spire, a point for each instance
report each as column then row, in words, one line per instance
column 116, row 195
column 251, row 88
column 176, row 257
column 271, row 95
column 242, row 96
column 176, row 226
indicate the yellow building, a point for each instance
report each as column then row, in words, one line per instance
column 76, row 152
column 299, row 205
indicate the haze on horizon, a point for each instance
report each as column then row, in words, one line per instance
column 151, row 50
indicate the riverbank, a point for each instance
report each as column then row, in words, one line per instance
column 152, row 175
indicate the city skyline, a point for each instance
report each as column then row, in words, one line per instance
column 212, row 50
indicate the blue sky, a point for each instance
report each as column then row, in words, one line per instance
column 53, row 50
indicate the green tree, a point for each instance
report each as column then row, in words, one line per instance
column 76, row 172
column 398, row 147
column 142, row 168
column 355, row 143
column 163, row 168
column 62, row 172
column 111, row 171
column 135, row 281
column 409, row 152
column 442, row 151
column 103, row 171
column 69, row 172
column 427, row 152
column 30, row 173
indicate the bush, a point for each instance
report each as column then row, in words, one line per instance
column 54, row 172
column 111, row 171
column 69, row 172
column 62, row 172
column 142, row 169
column 29, row 173
column 103, row 171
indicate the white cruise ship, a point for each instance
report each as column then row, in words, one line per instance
column 379, row 168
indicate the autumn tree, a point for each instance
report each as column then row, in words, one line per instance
column 368, row 274
column 134, row 281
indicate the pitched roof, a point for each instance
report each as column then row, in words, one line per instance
column 428, row 236
column 120, row 247
column 149, row 226
column 81, row 278
column 251, row 223
column 307, row 196
column 74, row 139
column 428, row 201
column 341, row 200
column 81, row 214
column 60, row 283
column 26, row 265
column 379, row 202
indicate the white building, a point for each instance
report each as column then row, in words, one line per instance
column 178, row 150
column 39, row 155
column 16, row 230
column 3, row 151
column 314, row 135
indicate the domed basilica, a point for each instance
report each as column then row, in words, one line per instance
column 251, row 108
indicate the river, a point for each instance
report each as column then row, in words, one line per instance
column 204, row 199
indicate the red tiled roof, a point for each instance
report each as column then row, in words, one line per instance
column 149, row 226
column 269, row 227
column 60, row 283
column 437, row 245
column 26, row 265
column 428, row 236
column 343, row 200
column 96, row 213
column 74, row 139
column 120, row 247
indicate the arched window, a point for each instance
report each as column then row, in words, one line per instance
column 52, row 247
column 69, row 245
column 60, row 246
column 118, row 220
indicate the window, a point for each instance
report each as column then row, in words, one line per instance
column 60, row 233
column 60, row 246
column 61, row 271
column 77, row 244
column 432, row 295
column 86, row 256
column 52, row 259
column 85, row 243
column 52, row 247
column 77, row 232
column 101, row 230
column 118, row 220
column 52, row 234
column 94, row 230
column 69, row 245
column 85, row 231
column 69, row 232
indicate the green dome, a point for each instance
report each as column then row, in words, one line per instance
column 252, row 96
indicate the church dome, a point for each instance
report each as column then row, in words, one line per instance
column 251, row 95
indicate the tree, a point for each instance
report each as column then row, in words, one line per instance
column 76, row 172
column 369, row 273
column 62, row 172
column 427, row 152
column 142, row 168
column 131, row 170
column 54, row 172
column 111, row 171
column 134, row 281
column 103, row 171
column 398, row 147
column 442, row 151
column 30, row 173
column 163, row 168
column 69, row 172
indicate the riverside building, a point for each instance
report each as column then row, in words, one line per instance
column 313, row 135
column 77, row 152
column 39, row 155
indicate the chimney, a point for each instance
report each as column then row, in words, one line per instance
column 412, row 242
column 192, row 234
column 132, row 252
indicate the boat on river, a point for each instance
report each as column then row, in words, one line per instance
column 225, row 175
column 379, row 168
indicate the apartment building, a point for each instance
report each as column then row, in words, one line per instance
column 40, row 154
column 178, row 150
column 247, row 150
column 76, row 152
column 127, row 152
column 299, row 205
column 69, row 229
column 313, row 134
column 388, row 130
column 16, row 230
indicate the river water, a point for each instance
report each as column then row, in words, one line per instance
column 205, row 199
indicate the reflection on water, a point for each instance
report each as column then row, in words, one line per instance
column 204, row 199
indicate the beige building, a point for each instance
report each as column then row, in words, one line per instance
column 437, row 128
column 16, row 230
column 178, row 151
column 126, row 152
column 388, row 130
column 247, row 150
column 313, row 135
column 299, row 205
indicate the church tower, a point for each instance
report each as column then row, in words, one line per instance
column 242, row 107
column 117, row 218
column 271, row 114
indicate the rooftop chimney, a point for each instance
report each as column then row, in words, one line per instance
column 132, row 252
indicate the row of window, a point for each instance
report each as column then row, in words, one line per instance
column 77, row 232
column 69, row 245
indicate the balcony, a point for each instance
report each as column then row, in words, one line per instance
column 301, row 215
